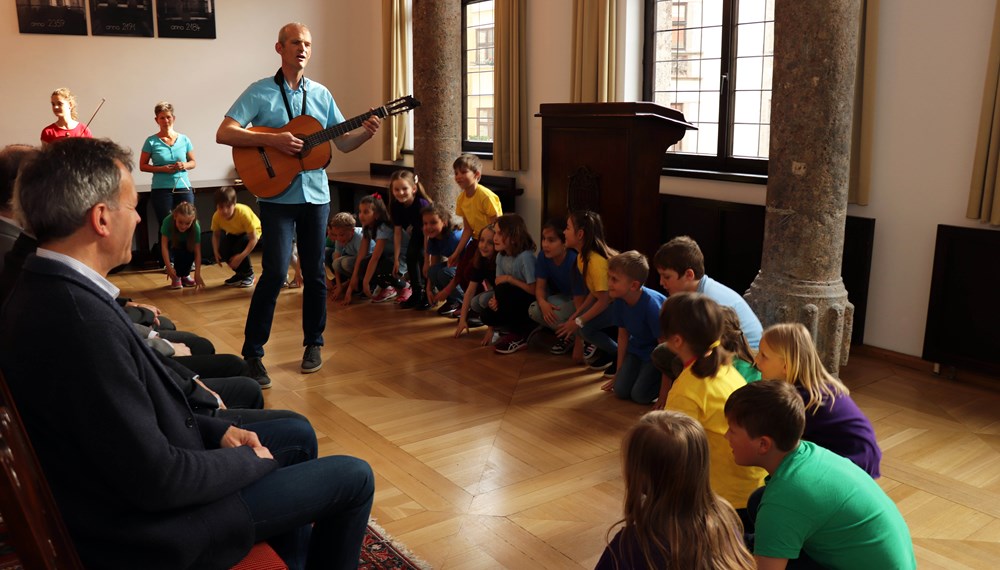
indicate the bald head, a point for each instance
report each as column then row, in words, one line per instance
column 289, row 30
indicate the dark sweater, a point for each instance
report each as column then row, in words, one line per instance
column 138, row 477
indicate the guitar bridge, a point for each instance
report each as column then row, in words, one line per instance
column 267, row 162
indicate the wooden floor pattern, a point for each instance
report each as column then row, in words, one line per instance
column 512, row 461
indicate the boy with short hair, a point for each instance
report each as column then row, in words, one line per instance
column 818, row 509
column 681, row 266
column 476, row 204
column 554, row 283
column 636, row 311
column 235, row 231
column 344, row 241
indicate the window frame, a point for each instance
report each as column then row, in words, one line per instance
column 720, row 166
column 479, row 148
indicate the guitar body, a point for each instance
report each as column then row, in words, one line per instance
column 267, row 172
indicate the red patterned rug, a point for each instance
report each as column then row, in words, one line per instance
column 382, row 552
column 378, row 552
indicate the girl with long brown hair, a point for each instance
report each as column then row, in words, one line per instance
column 672, row 519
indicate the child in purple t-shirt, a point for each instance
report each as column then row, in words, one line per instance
column 833, row 420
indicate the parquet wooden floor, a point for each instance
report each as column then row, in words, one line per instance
column 511, row 461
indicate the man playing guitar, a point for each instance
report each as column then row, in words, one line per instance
column 301, row 211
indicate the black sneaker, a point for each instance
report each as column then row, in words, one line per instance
column 589, row 350
column 562, row 345
column 610, row 371
column 601, row 361
column 415, row 302
column 473, row 320
column 449, row 308
column 233, row 281
column 311, row 359
column 256, row 370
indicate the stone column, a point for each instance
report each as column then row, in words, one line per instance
column 815, row 59
column 437, row 84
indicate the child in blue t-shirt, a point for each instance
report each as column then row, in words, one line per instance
column 442, row 236
column 376, row 268
column 636, row 312
column 515, row 284
column 343, row 244
column 554, row 268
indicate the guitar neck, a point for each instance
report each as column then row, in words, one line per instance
column 335, row 131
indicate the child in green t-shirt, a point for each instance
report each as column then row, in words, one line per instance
column 818, row 509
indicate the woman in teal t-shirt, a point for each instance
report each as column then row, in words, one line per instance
column 168, row 155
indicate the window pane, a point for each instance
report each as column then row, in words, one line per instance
column 708, row 138
column 711, row 42
column 749, row 73
column 479, row 54
column 754, row 11
column 746, row 141
column 750, row 40
column 746, row 107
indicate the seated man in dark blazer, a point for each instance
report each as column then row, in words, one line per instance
column 141, row 480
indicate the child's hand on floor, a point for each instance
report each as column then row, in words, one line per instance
column 609, row 385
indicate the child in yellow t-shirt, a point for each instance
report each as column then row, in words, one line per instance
column 692, row 327
column 235, row 231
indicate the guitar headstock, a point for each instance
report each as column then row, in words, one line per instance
column 397, row 106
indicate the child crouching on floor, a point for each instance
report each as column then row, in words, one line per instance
column 442, row 236
column 344, row 243
column 635, row 311
column 235, row 231
column 180, row 241
column 515, row 284
column 376, row 268
column 481, row 274
column 554, row 268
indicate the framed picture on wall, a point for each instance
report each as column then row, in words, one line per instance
column 121, row 18
column 185, row 19
column 41, row 17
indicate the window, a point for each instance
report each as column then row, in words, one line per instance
column 712, row 60
column 477, row 63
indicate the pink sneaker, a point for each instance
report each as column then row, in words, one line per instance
column 384, row 295
column 176, row 283
column 187, row 281
column 404, row 295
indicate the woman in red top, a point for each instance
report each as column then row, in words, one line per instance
column 66, row 125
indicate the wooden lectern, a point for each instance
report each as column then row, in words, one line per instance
column 606, row 157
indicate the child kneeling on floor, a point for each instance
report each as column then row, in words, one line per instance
column 818, row 509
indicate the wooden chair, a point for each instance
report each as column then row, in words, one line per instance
column 37, row 532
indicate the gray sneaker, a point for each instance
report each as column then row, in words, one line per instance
column 311, row 359
column 258, row 372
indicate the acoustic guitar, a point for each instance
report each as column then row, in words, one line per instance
column 267, row 172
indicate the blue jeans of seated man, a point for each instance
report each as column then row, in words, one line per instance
column 564, row 308
column 183, row 258
column 335, row 493
column 165, row 200
column 279, row 223
column 439, row 275
column 637, row 380
column 593, row 332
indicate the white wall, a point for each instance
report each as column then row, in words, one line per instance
column 925, row 104
column 200, row 77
